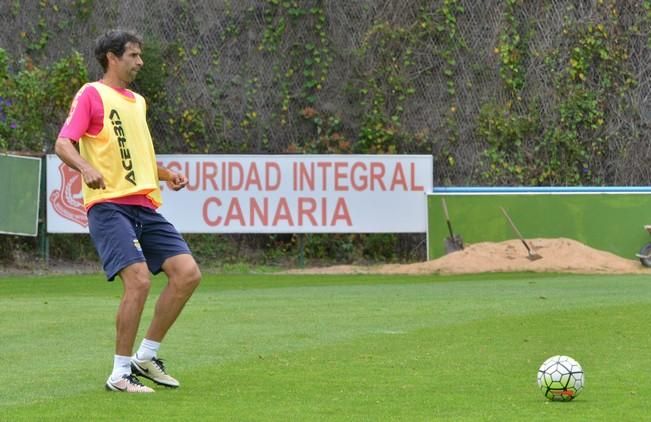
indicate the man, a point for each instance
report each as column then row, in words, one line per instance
column 107, row 140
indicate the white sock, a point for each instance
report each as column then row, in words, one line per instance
column 121, row 366
column 148, row 350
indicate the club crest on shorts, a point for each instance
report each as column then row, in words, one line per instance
column 136, row 244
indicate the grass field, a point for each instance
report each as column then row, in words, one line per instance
column 349, row 348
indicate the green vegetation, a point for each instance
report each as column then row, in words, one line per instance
column 278, row 347
column 590, row 77
column 553, row 120
column 34, row 98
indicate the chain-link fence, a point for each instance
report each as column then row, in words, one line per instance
column 238, row 76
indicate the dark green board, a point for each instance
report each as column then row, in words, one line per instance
column 19, row 194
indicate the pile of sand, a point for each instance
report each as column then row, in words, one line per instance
column 558, row 255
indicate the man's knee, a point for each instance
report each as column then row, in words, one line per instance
column 183, row 271
column 191, row 276
column 136, row 278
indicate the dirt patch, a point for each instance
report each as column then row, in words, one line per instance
column 558, row 255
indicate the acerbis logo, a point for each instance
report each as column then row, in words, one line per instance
column 67, row 201
column 127, row 165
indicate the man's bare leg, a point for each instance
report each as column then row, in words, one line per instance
column 137, row 281
column 183, row 278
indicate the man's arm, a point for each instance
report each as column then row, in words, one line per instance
column 68, row 153
column 177, row 181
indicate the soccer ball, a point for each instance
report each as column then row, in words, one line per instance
column 561, row 378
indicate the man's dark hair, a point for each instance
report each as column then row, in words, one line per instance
column 114, row 41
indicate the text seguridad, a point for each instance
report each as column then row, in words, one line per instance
column 309, row 189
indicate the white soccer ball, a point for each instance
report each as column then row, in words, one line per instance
column 561, row 378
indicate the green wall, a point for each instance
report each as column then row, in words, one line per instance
column 611, row 219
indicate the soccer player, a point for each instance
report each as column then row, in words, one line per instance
column 107, row 140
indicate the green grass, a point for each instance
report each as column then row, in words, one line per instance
column 349, row 348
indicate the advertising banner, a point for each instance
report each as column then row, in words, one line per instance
column 273, row 194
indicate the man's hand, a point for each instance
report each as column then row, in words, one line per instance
column 177, row 181
column 92, row 178
column 69, row 154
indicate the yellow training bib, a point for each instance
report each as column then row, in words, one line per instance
column 123, row 151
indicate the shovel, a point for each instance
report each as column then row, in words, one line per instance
column 454, row 242
column 531, row 253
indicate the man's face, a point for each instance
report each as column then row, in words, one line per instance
column 128, row 66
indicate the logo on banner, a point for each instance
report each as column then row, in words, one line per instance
column 67, row 201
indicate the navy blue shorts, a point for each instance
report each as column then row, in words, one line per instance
column 126, row 234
